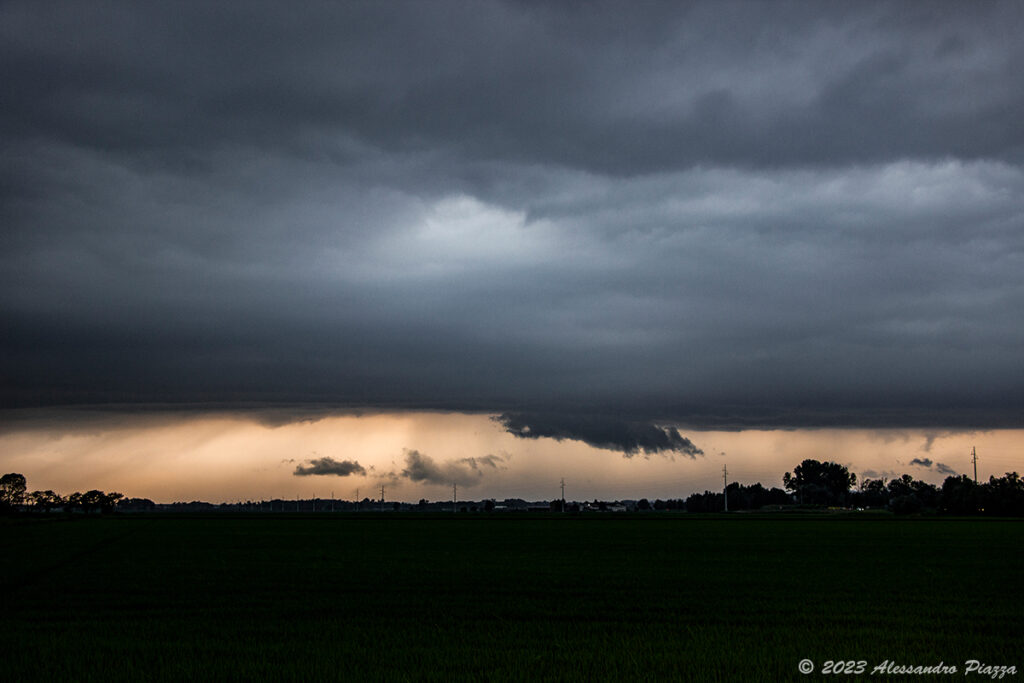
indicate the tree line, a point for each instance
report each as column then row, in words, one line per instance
column 828, row 484
column 14, row 494
column 811, row 484
column 816, row 484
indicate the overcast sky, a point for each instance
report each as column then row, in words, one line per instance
column 716, row 215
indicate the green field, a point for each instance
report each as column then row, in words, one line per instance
column 502, row 597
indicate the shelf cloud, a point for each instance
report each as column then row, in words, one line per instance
column 723, row 215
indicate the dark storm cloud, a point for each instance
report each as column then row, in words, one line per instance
column 939, row 467
column 597, row 87
column 328, row 465
column 628, row 437
column 712, row 214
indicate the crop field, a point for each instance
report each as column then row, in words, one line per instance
column 502, row 597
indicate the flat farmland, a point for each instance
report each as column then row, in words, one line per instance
column 502, row 597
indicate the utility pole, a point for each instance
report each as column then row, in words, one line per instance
column 382, row 497
column 563, row 494
column 725, row 488
column 974, row 458
column 455, row 497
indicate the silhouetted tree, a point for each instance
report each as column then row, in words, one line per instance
column 927, row 493
column 74, row 502
column 12, row 490
column 905, row 505
column 137, row 504
column 108, row 501
column 45, row 500
column 705, row 502
column 960, row 496
column 872, row 494
column 1005, row 495
column 902, row 486
column 912, row 494
column 820, row 483
column 741, row 497
column 90, row 500
column 757, row 496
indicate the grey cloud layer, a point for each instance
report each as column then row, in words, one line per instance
column 745, row 215
column 596, row 87
column 464, row 471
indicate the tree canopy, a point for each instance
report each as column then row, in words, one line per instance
column 12, row 490
column 821, row 483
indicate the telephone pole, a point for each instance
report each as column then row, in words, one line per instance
column 563, row 494
column 974, row 459
column 725, row 487
column 382, row 497
column 455, row 497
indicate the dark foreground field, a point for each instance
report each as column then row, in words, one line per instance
column 503, row 597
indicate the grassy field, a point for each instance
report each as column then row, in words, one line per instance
column 502, row 597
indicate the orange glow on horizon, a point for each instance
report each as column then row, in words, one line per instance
column 231, row 457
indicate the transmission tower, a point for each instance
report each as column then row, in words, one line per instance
column 725, row 486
